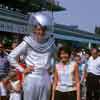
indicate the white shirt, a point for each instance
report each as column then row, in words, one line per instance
column 94, row 65
column 3, row 91
column 40, row 60
column 15, row 96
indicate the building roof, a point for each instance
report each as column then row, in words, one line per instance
column 74, row 34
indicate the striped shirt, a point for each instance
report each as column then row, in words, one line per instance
column 32, row 58
column 4, row 65
column 66, row 80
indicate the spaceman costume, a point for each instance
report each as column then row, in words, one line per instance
column 37, row 54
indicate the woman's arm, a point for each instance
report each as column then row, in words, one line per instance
column 85, row 73
column 18, row 87
column 77, row 81
column 54, row 84
column 12, row 57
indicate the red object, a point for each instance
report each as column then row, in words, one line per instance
column 19, row 74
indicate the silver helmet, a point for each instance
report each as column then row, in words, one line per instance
column 40, row 19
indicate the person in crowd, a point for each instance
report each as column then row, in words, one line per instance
column 99, row 52
column 20, row 76
column 87, row 55
column 14, row 86
column 16, row 82
column 38, row 49
column 93, row 76
column 66, row 84
column 3, row 92
column 73, row 53
column 14, row 45
column 4, row 69
column 82, row 68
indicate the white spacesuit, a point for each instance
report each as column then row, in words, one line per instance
column 38, row 55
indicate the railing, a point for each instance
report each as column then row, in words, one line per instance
column 12, row 12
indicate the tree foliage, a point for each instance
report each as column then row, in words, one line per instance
column 31, row 5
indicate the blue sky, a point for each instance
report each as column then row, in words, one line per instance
column 84, row 13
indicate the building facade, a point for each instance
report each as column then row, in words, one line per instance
column 76, row 37
column 13, row 26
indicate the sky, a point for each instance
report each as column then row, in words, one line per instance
column 84, row 13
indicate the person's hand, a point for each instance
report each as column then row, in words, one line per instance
column 18, row 87
column 28, row 70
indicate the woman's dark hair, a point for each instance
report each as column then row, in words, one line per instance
column 65, row 49
column 88, row 52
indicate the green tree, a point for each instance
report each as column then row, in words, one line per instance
column 31, row 5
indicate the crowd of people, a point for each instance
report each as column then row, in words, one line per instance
column 36, row 69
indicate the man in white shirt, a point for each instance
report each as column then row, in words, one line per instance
column 93, row 76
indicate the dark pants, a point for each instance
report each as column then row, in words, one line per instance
column 93, row 87
column 65, row 95
column 3, row 98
